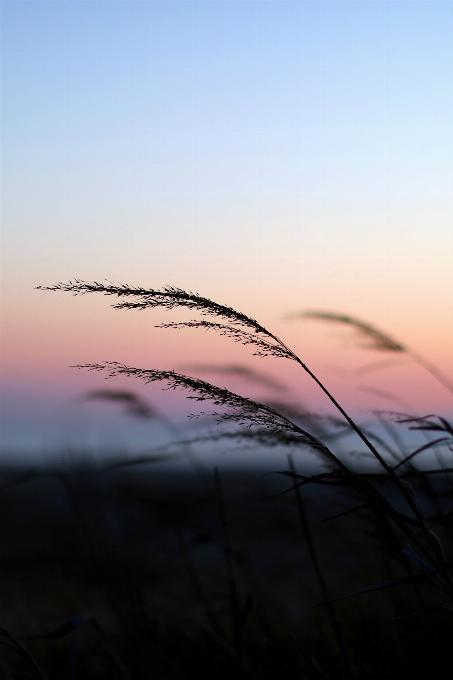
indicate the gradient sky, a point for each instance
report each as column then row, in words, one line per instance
column 271, row 155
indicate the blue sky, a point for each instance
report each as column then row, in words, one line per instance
column 348, row 101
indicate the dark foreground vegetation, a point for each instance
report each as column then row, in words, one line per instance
column 152, row 572
column 340, row 569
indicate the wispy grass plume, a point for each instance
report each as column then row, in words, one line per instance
column 374, row 339
column 238, row 409
column 241, row 371
column 134, row 405
column 168, row 297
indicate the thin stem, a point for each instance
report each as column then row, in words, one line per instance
column 24, row 652
column 196, row 582
column 319, row 574
column 435, row 547
column 234, row 596
column 421, row 361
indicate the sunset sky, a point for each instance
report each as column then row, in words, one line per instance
column 275, row 156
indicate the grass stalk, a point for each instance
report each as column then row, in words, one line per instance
column 197, row 584
column 246, row 330
column 320, row 576
column 232, row 585
column 23, row 651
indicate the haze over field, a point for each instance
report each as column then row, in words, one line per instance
column 273, row 156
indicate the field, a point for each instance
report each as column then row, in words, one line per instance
column 147, row 572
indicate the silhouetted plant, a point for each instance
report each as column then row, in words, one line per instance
column 425, row 549
column 374, row 339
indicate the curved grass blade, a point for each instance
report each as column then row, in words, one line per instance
column 61, row 631
column 23, row 651
column 383, row 585
column 426, row 611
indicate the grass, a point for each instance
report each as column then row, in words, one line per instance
column 145, row 570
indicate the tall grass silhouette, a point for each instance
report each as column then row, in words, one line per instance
column 246, row 330
column 396, row 506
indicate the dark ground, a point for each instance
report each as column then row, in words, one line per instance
column 164, row 589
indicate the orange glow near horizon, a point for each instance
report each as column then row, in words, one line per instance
column 59, row 331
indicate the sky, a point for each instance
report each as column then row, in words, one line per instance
column 275, row 156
